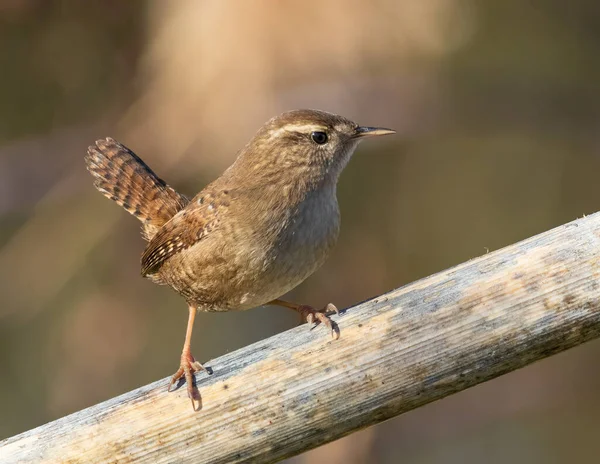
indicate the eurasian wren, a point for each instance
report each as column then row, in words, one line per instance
column 250, row 236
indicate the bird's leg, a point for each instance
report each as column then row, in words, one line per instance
column 188, row 364
column 310, row 314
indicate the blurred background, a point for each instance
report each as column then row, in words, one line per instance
column 497, row 107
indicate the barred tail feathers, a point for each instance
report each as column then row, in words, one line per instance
column 119, row 174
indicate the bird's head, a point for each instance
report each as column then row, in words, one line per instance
column 305, row 144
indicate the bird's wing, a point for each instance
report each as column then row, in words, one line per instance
column 186, row 228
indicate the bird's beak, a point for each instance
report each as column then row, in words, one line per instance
column 372, row 131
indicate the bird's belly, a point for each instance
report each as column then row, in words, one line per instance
column 248, row 282
column 279, row 270
column 254, row 272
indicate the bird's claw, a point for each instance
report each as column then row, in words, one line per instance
column 186, row 369
column 312, row 315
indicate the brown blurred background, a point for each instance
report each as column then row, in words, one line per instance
column 497, row 106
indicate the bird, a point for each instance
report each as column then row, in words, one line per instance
column 250, row 236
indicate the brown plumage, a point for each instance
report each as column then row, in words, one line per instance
column 253, row 234
column 124, row 178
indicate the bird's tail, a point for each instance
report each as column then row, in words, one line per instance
column 119, row 174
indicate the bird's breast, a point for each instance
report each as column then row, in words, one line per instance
column 309, row 232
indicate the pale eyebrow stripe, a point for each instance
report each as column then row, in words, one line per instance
column 299, row 128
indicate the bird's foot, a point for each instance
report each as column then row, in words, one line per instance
column 312, row 315
column 186, row 369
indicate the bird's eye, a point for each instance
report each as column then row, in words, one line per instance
column 319, row 137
